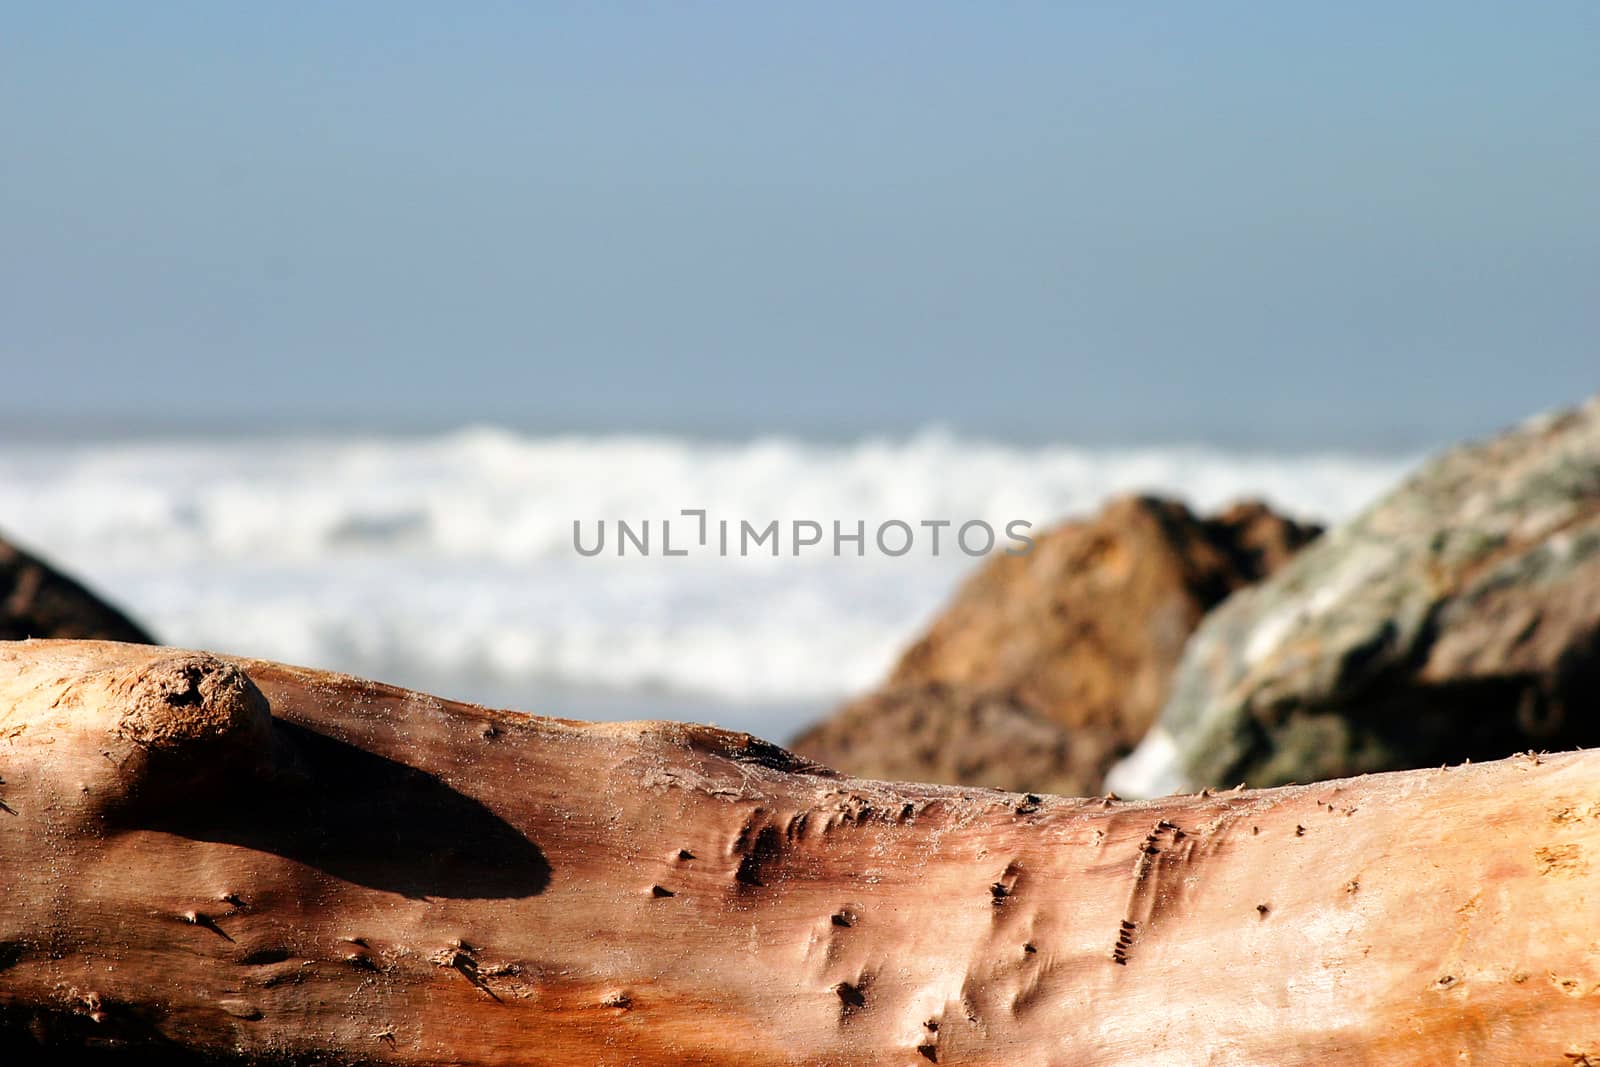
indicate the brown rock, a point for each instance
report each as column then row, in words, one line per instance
column 36, row 600
column 1048, row 666
column 932, row 732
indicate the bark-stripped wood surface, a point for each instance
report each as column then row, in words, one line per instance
column 221, row 859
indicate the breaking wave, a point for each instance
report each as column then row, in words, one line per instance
column 446, row 562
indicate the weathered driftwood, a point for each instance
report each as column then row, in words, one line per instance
column 367, row 874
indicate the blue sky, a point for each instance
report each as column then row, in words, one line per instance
column 1358, row 224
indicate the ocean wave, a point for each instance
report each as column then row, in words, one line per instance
column 447, row 561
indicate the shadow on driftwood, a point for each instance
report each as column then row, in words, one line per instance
column 371, row 821
column 49, row 1036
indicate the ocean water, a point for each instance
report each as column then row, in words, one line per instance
column 447, row 562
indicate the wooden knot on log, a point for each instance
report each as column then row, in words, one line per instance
column 186, row 721
column 190, row 699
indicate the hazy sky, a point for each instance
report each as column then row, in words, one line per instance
column 1356, row 223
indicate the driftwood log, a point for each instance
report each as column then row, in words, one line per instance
column 221, row 860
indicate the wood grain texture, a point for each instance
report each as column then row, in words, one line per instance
column 216, row 859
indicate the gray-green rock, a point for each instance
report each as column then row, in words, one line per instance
column 1458, row 618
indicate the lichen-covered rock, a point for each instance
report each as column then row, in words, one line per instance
column 1048, row 666
column 1458, row 618
column 36, row 600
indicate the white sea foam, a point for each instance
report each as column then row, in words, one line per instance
column 447, row 561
